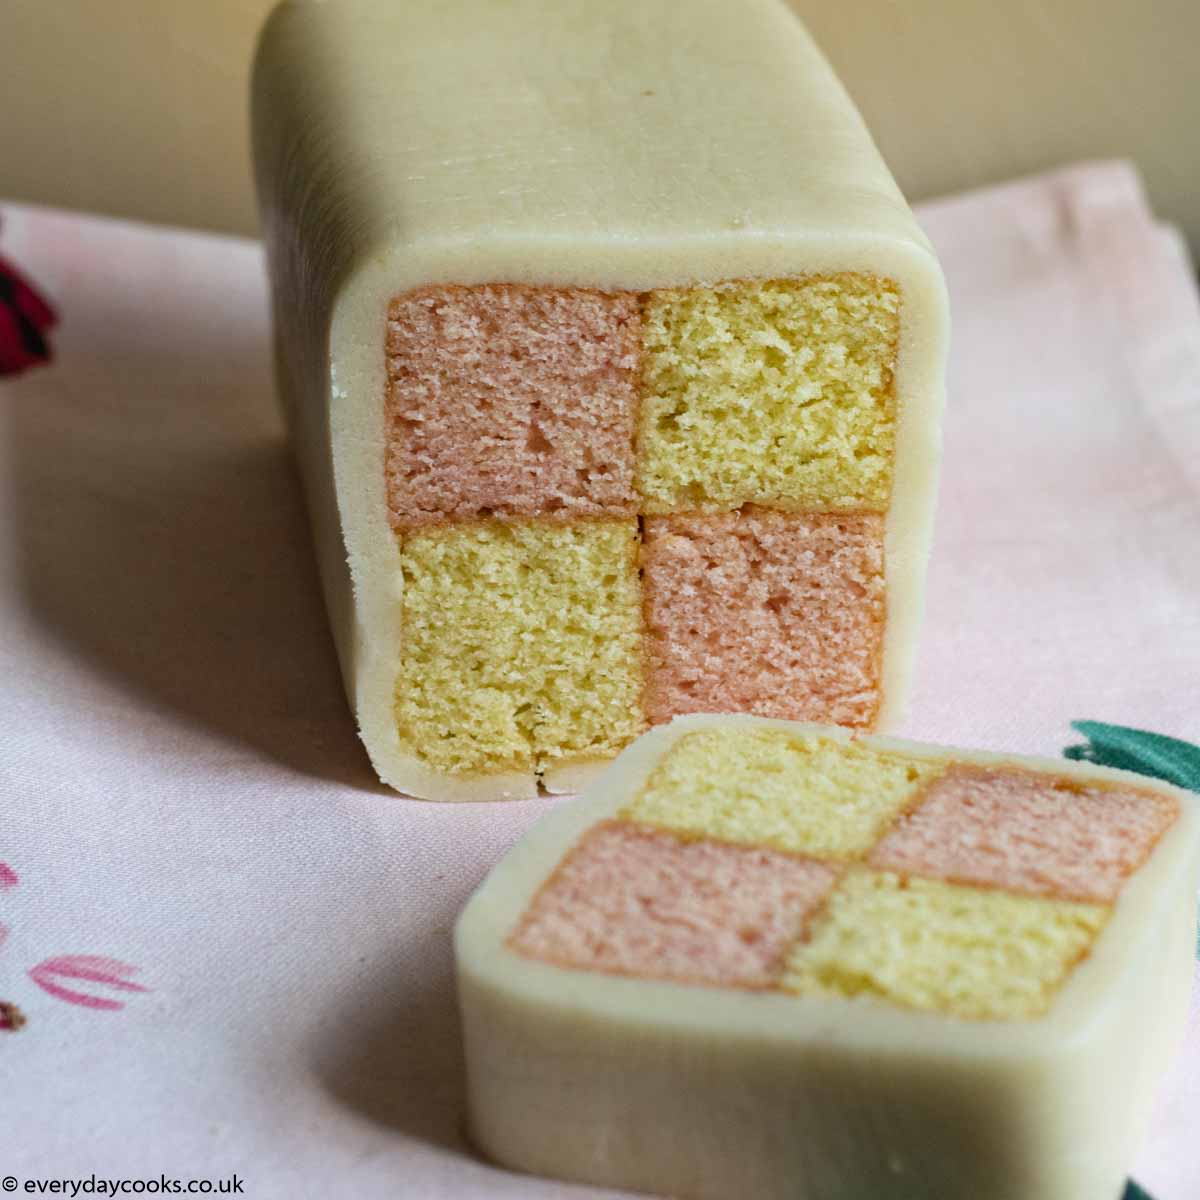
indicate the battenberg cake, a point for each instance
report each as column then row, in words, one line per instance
column 614, row 363
column 777, row 960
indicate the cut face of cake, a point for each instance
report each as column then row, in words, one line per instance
column 774, row 959
column 765, row 427
column 614, row 373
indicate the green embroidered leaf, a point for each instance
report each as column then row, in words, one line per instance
column 1138, row 750
column 1133, row 1192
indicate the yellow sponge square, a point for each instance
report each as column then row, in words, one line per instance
column 772, row 787
column 925, row 944
column 521, row 644
column 777, row 392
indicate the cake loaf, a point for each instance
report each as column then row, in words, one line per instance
column 784, row 961
column 614, row 364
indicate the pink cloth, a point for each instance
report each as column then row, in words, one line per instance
column 231, row 945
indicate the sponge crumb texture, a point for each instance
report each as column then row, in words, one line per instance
column 777, row 391
column 926, row 944
column 511, row 400
column 804, row 794
column 749, row 425
column 640, row 902
column 1027, row 833
column 777, row 614
column 521, row 644
column 795, row 860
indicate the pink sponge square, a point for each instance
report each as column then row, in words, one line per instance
column 510, row 400
column 641, row 902
column 778, row 614
column 1026, row 832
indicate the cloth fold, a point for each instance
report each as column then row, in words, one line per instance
column 230, row 946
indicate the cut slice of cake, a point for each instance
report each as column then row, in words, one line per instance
column 614, row 362
column 786, row 961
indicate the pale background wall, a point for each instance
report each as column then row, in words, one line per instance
column 137, row 107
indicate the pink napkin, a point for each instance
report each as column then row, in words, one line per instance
column 231, row 946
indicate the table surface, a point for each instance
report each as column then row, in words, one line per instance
column 231, row 944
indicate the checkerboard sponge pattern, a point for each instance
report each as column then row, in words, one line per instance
column 790, row 861
column 741, row 433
